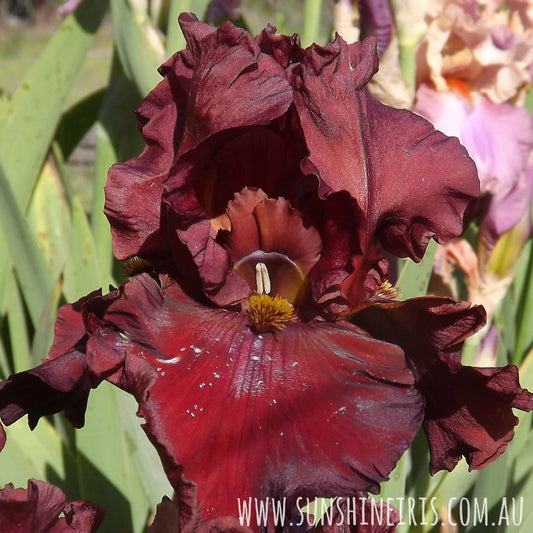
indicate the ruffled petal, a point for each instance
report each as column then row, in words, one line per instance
column 37, row 509
column 243, row 238
column 316, row 410
column 285, row 393
column 233, row 84
column 79, row 517
column 411, row 182
column 282, row 230
column 134, row 188
column 219, row 83
column 468, row 410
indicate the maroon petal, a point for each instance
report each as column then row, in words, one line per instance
column 243, row 238
column 61, row 384
column 134, row 188
column 38, row 507
column 79, row 517
column 233, row 84
column 468, row 410
column 359, row 514
column 69, row 329
column 220, row 82
column 270, row 231
column 477, row 421
column 411, row 182
column 281, row 230
column 316, row 410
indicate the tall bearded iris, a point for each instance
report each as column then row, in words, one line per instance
column 258, row 331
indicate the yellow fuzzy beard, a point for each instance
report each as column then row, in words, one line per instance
column 269, row 313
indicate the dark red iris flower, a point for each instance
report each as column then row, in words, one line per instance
column 258, row 331
column 43, row 508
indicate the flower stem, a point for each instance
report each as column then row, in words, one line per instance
column 311, row 22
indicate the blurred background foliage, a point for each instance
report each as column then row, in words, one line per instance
column 69, row 85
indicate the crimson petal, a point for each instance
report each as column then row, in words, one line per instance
column 468, row 410
column 219, row 83
column 138, row 183
column 317, row 410
column 412, row 182
column 233, row 84
column 289, row 397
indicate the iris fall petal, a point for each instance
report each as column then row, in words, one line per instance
column 468, row 410
column 316, row 410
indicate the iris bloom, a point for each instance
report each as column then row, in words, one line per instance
column 258, row 331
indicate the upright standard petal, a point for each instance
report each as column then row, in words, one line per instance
column 410, row 181
column 219, row 83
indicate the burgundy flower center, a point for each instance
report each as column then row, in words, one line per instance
column 273, row 251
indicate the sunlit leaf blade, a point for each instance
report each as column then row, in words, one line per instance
column 311, row 22
column 523, row 438
column 83, row 272
column 5, row 367
column 418, row 481
column 106, row 467
column 105, row 156
column 506, row 323
column 31, row 117
column 5, row 272
column 446, row 487
column 48, row 217
column 139, row 46
column 31, row 268
column 175, row 39
column 414, row 277
column 77, row 121
column 490, row 488
column 117, row 139
column 44, row 330
column 18, row 329
column 38, row 454
column 524, row 311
